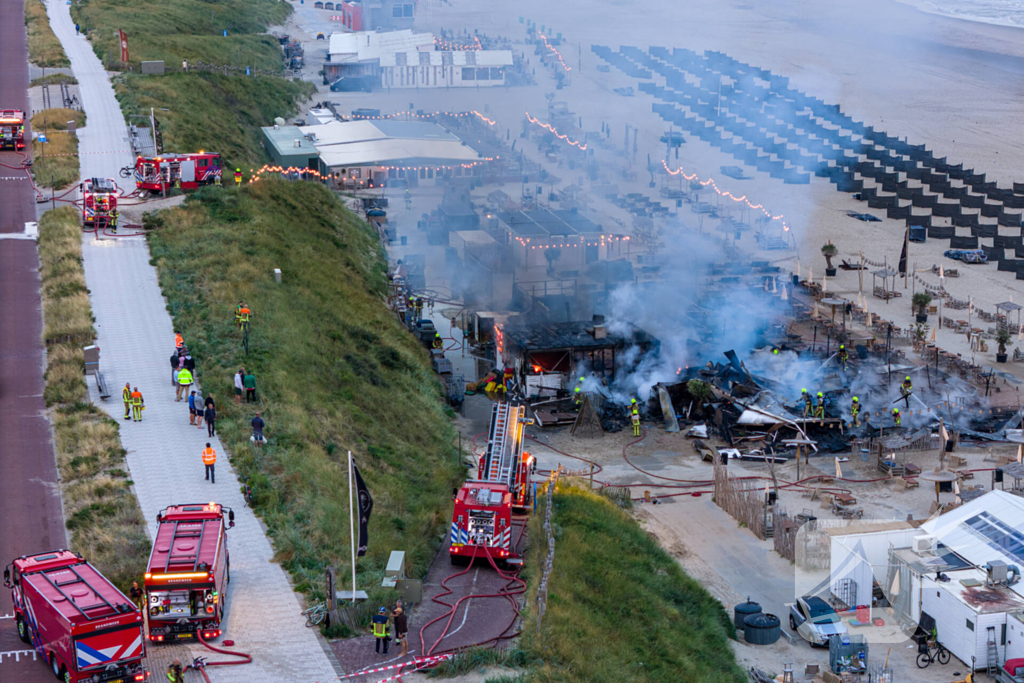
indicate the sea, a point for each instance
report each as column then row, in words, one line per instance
column 999, row 12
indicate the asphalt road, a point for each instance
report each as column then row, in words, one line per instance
column 29, row 499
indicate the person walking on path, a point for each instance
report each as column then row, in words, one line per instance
column 137, row 405
column 239, row 376
column 381, row 629
column 257, row 430
column 185, row 380
column 135, row 593
column 401, row 621
column 126, row 394
column 175, row 365
column 192, row 408
column 249, row 382
column 209, row 460
column 210, row 414
column 200, row 410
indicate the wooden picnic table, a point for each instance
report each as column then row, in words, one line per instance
column 845, row 499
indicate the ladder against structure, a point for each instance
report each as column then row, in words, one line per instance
column 993, row 652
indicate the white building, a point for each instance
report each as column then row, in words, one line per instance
column 938, row 572
column 441, row 69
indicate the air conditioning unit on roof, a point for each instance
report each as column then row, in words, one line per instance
column 925, row 544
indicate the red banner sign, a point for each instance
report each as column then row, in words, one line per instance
column 124, row 45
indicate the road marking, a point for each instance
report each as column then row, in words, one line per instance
column 17, row 654
column 6, row 616
column 465, row 613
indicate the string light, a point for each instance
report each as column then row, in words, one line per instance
column 573, row 143
column 557, row 53
column 453, row 114
column 446, row 45
column 603, row 241
column 726, row 194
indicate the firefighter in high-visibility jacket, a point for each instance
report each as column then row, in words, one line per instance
column 844, row 355
column 243, row 317
column 577, row 397
column 137, row 405
column 855, row 411
column 174, row 672
column 906, row 389
column 381, row 629
column 238, row 177
column 808, row 405
column 896, row 417
column 438, row 342
column 819, row 406
column 126, row 395
column 238, row 312
column 634, row 416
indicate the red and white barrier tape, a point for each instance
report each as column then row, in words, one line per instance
column 418, row 663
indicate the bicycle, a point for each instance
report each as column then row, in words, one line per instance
column 247, row 492
column 127, row 171
column 315, row 614
column 940, row 653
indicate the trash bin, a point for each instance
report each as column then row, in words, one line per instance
column 848, row 653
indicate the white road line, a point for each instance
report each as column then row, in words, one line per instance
column 465, row 613
column 6, row 616
column 17, row 654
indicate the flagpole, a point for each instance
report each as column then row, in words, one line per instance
column 352, row 525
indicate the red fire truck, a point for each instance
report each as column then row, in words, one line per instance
column 80, row 624
column 99, row 201
column 188, row 572
column 12, row 129
column 482, row 520
column 160, row 173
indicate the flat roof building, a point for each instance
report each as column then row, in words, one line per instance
column 289, row 148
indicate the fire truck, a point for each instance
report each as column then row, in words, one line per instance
column 12, row 129
column 99, row 201
column 482, row 521
column 80, row 624
column 188, row 572
column 193, row 170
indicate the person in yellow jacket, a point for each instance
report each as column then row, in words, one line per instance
column 184, row 382
column 209, row 460
column 126, row 395
column 137, row 405
column 634, row 415
column 174, row 672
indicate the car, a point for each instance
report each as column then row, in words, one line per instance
column 352, row 84
column 815, row 620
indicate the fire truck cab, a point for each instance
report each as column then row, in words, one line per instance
column 12, row 129
column 81, row 625
column 188, row 572
column 191, row 170
column 483, row 517
column 99, row 201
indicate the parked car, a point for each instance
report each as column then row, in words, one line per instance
column 815, row 620
column 353, row 84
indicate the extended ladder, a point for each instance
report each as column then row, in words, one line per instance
column 993, row 652
column 502, row 446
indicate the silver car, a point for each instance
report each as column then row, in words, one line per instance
column 815, row 620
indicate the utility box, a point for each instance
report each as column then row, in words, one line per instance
column 155, row 68
column 410, row 590
column 395, row 571
column 92, row 359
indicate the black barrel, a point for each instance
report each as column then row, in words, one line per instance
column 744, row 610
column 761, row 629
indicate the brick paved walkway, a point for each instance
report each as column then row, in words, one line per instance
column 136, row 339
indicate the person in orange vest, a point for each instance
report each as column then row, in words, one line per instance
column 179, row 341
column 137, row 405
column 243, row 316
column 126, row 394
column 210, row 459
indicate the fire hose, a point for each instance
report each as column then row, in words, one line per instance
column 201, row 667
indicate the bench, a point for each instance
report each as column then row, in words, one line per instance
column 101, row 385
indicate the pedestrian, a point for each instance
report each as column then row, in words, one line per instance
column 76, row 29
column 200, row 410
column 179, row 341
column 184, row 65
column 192, row 408
column 126, row 394
column 210, row 414
column 249, row 382
column 137, row 405
column 381, row 629
column 175, row 365
column 135, row 593
column 239, row 376
column 257, row 430
column 401, row 621
column 185, row 380
column 209, row 460
column 188, row 362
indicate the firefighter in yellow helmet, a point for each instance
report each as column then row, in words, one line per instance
column 819, row 406
column 438, row 343
column 896, row 417
column 634, row 416
column 238, row 177
column 844, row 355
column 855, row 411
column 808, row 405
column 906, row 389
column 577, row 397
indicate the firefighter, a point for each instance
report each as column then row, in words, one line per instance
column 238, row 177
column 216, row 180
column 808, row 405
column 408, row 199
column 896, row 416
column 137, row 405
column 179, row 341
column 243, row 316
column 438, row 343
column 634, row 416
column 113, row 220
column 819, row 406
column 906, row 389
column 185, row 380
column 126, row 394
column 855, row 411
column 577, row 397
column 419, row 307
column 238, row 312
column 209, row 461
column 844, row 355
column 177, row 182
column 174, row 672
column 381, row 629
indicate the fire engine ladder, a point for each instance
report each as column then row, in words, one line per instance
column 59, row 587
column 186, row 558
column 501, row 455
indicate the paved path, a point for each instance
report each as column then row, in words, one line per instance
column 29, row 500
column 136, row 339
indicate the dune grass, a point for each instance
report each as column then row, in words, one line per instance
column 43, row 47
column 335, row 372
column 214, row 112
column 620, row 609
column 101, row 513
column 53, row 79
column 55, row 164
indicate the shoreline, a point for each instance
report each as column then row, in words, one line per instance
column 925, row 7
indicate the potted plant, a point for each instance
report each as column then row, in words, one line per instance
column 1002, row 339
column 920, row 303
column 828, row 251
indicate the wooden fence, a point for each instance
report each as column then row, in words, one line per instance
column 742, row 499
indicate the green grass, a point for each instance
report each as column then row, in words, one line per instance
column 213, row 112
column 43, row 47
column 174, row 30
column 335, row 372
column 53, row 79
column 55, row 164
column 103, row 517
column 620, row 609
